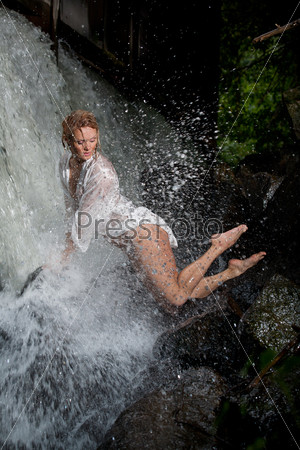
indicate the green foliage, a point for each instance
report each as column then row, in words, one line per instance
column 287, row 378
column 258, row 444
column 266, row 357
column 260, row 361
column 247, row 366
column 236, row 423
column 252, row 116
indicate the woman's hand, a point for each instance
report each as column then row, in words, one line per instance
column 70, row 248
column 57, row 265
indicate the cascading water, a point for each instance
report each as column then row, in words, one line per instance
column 72, row 345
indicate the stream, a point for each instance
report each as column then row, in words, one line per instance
column 73, row 345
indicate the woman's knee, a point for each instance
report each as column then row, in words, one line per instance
column 177, row 299
column 173, row 294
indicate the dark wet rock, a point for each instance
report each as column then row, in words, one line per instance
column 274, row 312
column 267, row 414
column 281, row 227
column 292, row 101
column 262, row 192
column 4, row 338
column 208, row 339
column 245, row 292
column 276, row 162
column 267, row 417
column 252, row 185
column 179, row 416
column 30, row 279
column 256, row 187
column 268, row 202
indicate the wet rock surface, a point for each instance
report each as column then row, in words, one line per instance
column 274, row 221
column 180, row 415
column 262, row 192
column 199, row 392
column 208, row 339
column 271, row 317
column 248, row 331
column 292, row 101
column 265, row 417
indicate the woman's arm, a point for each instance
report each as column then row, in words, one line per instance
column 58, row 263
column 70, row 248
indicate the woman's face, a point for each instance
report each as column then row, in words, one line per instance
column 85, row 143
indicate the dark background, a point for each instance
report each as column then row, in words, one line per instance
column 164, row 52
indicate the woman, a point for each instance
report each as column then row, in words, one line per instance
column 95, row 206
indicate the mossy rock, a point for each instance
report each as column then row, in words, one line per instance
column 272, row 315
column 292, row 100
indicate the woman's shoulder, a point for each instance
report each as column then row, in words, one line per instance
column 102, row 164
column 105, row 162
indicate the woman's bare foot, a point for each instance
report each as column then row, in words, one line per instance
column 239, row 266
column 222, row 242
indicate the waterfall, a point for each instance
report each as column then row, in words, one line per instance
column 73, row 345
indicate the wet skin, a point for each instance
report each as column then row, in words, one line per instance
column 154, row 258
column 83, row 148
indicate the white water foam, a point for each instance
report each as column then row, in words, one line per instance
column 72, row 345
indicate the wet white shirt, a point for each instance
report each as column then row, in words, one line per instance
column 99, row 208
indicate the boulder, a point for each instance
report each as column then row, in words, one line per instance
column 208, row 339
column 180, row 415
column 292, row 101
column 270, row 318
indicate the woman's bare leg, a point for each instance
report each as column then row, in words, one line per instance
column 235, row 268
column 154, row 259
column 191, row 275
